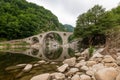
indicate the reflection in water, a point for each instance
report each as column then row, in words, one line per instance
column 53, row 54
column 52, row 50
column 71, row 52
column 35, row 51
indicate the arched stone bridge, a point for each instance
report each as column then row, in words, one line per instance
column 40, row 37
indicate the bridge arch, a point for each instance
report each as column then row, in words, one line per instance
column 41, row 37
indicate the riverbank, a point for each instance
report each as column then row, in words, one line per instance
column 14, row 44
column 99, row 66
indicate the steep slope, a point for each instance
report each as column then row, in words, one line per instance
column 20, row 19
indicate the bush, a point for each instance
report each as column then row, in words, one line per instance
column 91, row 50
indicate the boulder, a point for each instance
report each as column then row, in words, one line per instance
column 27, row 68
column 70, row 62
column 118, row 60
column 97, row 67
column 85, row 77
column 108, row 59
column 118, row 77
column 78, row 54
column 63, row 68
column 80, row 58
column 72, row 71
column 76, row 77
column 35, row 65
column 106, row 74
column 110, row 64
column 97, row 55
column 80, row 64
column 58, row 76
column 84, row 68
column 53, row 63
column 41, row 62
column 90, row 72
column 90, row 63
column 85, row 53
column 45, row 76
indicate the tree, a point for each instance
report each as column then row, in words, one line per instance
column 87, row 22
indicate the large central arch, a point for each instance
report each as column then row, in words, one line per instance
column 40, row 37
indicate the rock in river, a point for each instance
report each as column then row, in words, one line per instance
column 45, row 76
column 27, row 68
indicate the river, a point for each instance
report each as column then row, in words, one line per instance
column 11, row 57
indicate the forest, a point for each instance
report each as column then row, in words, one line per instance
column 20, row 19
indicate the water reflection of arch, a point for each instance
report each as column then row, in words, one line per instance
column 41, row 55
column 51, row 43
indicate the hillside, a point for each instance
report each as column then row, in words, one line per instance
column 69, row 28
column 20, row 19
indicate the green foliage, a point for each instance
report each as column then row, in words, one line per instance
column 91, row 50
column 20, row 19
column 96, row 21
column 69, row 28
column 87, row 22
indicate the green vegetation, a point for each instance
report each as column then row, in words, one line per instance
column 91, row 50
column 69, row 28
column 16, row 45
column 20, row 19
column 93, row 25
column 71, row 52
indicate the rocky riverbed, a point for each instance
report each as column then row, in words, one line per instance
column 96, row 67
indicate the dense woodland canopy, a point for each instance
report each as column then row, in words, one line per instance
column 20, row 19
column 96, row 22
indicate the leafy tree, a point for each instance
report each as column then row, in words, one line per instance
column 87, row 22
column 93, row 25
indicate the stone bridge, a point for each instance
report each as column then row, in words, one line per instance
column 41, row 37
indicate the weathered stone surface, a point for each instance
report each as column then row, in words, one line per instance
column 106, row 74
column 108, row 59
column 45, row 76
column 85, row 53
column 36, row 65
column 90, row 72
column 78, row 54
column 118, row 77
column 27, row 68
column 58, row 76
column 41, row 62
column 70, row 62
column 80, row 64
column 118, row 60
column 75, row 77
column 98, row 60
column 72, row 71
column 90, row 63
column 84, row 68
column 110, row 64
column 97, row 55
column 80, row 58
column 118, row 54
column 53, row 63
column 97, row 67
column 85, row 77
column 63, row 68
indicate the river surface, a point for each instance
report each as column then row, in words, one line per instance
column 12, row 57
